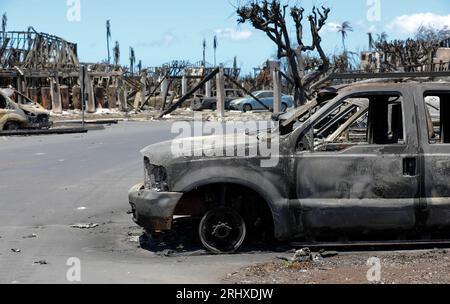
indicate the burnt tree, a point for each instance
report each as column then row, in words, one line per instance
column 411, row 53
column 406, row 54
column 271, row 18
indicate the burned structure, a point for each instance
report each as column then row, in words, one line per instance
column 46, row 69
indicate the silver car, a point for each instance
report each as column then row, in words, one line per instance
column 248, row 103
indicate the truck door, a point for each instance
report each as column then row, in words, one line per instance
column 368, row 178
column 435, row 128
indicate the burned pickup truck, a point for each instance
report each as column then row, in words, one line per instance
column 368, row 161
column 24, row 115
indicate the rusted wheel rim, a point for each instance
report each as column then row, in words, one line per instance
column 222, row 230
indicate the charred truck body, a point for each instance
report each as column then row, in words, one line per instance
column 367, row 161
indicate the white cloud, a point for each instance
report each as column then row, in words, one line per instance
column 233, row 34
column 408, row 24
column 330, row 27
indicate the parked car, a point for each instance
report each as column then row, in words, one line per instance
column 248, row 103
column 365, row 163
column 26, row 115
column 210, row 103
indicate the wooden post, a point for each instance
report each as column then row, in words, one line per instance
column 144, row 87
column 208, row 89
column 83, row 75
column 184, row 86
column 90, row 104
column 76, row 97
column 65, row 97
column 220, row 87
column 275, row 71
column 122, row 92
column 19, row 89
column 112, row 97
column 56, row 96
column 24, row 87
column 46, row 98
column 164, row 91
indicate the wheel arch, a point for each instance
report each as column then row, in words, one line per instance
column 13, row 118
column 229, row 181
column 264, row 189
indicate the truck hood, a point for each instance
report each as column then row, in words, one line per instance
column 165, row 153
column 33, row 108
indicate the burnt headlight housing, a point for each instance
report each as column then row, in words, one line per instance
column 155, row 177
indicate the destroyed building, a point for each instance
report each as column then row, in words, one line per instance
column 46, row 68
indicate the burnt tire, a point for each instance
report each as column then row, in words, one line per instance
column 11, row 126
column 222, row 230
column 247, row 108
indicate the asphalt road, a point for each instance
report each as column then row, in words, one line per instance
column 48, row 183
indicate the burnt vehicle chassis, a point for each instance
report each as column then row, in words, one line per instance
column 27, row 115
column 327, row 183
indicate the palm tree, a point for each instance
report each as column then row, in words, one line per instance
column 4, row 23
column 108, row 37
column 116, row 52
column 343, row 29
column 235, row 68
column 132, row 60
column 371, row 42
column 204, row 52
column 382, row 37
column 215, row 45
column 140, row 67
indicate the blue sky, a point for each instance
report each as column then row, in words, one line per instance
column 161, row 31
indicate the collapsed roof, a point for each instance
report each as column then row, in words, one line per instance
column 33, row 50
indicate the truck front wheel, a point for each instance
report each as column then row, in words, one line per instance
column 11, row 126
column 222, row 230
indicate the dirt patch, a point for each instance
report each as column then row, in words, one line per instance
column 413, row 267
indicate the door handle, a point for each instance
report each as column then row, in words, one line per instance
column 410, row 166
